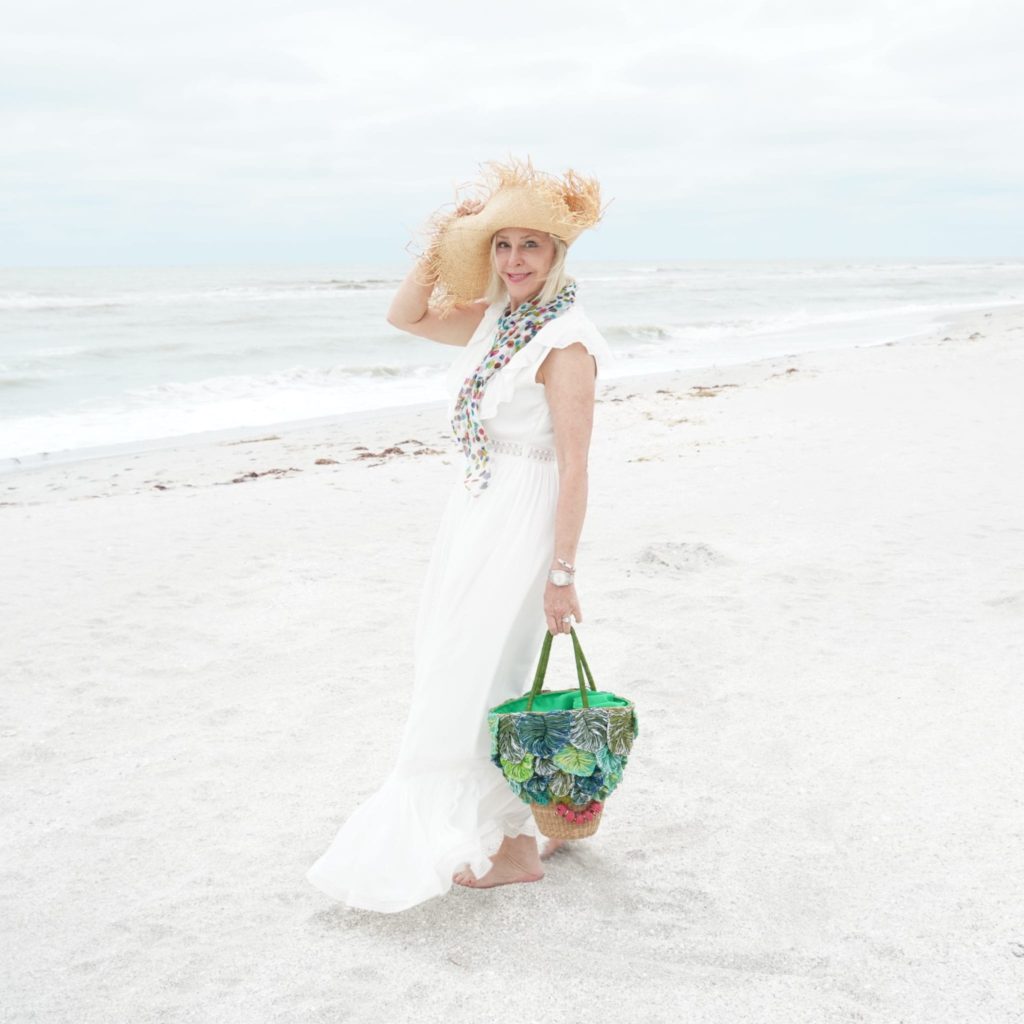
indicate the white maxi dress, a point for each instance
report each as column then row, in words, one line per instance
column 478, row 637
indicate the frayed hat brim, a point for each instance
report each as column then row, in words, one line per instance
column 514, row 195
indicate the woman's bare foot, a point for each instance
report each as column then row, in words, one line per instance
column 515, row 861
column 503, row 872
column 551, row 846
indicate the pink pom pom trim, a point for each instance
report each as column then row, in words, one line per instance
column 588, row 813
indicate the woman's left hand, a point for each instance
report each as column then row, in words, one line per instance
column 559, row 604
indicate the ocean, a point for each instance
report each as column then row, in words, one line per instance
column 94, row 359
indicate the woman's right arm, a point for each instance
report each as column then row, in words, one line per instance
column 409, row 312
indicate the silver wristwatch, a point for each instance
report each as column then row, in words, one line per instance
column 560, row 577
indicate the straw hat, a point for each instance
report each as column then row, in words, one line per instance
column 515, row 195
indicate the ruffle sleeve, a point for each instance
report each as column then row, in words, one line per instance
column 521, row 369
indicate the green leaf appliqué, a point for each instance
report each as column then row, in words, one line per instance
column 508, row 740
column 608, row 761
column 575, row 761
column 518, row 771
column 560, row 784
column 620, row 730
column 589, row 729
column 544, row 733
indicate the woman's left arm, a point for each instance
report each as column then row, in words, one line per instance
column 569, row 381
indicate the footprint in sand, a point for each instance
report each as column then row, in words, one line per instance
column 1013, row 603
column 679, row 557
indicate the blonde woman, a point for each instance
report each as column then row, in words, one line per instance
column 494, row 286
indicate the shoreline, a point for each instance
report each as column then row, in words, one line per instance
column 372, row 420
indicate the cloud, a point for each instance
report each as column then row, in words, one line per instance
column 270, row 131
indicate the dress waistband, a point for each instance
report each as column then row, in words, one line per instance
column 530, row 451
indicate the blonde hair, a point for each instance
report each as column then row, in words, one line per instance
column 556, row 280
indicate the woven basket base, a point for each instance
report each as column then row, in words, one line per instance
column 554, row 826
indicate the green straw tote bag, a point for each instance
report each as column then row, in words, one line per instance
column 563, row 751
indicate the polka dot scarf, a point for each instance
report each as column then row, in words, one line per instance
column 515, row 329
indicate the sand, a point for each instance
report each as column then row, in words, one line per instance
column 808, row 572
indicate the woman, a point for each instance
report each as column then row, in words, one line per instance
column 502, row 566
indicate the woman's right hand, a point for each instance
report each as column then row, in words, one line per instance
column 464, row 209
column 410, row 308
column 469, row 206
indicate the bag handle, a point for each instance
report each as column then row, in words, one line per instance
column 581, row 667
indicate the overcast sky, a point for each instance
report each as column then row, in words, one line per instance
column 222, row 131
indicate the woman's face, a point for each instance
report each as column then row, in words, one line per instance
column 523, row 258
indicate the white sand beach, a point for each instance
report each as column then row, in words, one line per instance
column 808, row 572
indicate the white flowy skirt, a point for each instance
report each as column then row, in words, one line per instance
column 478, row 637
